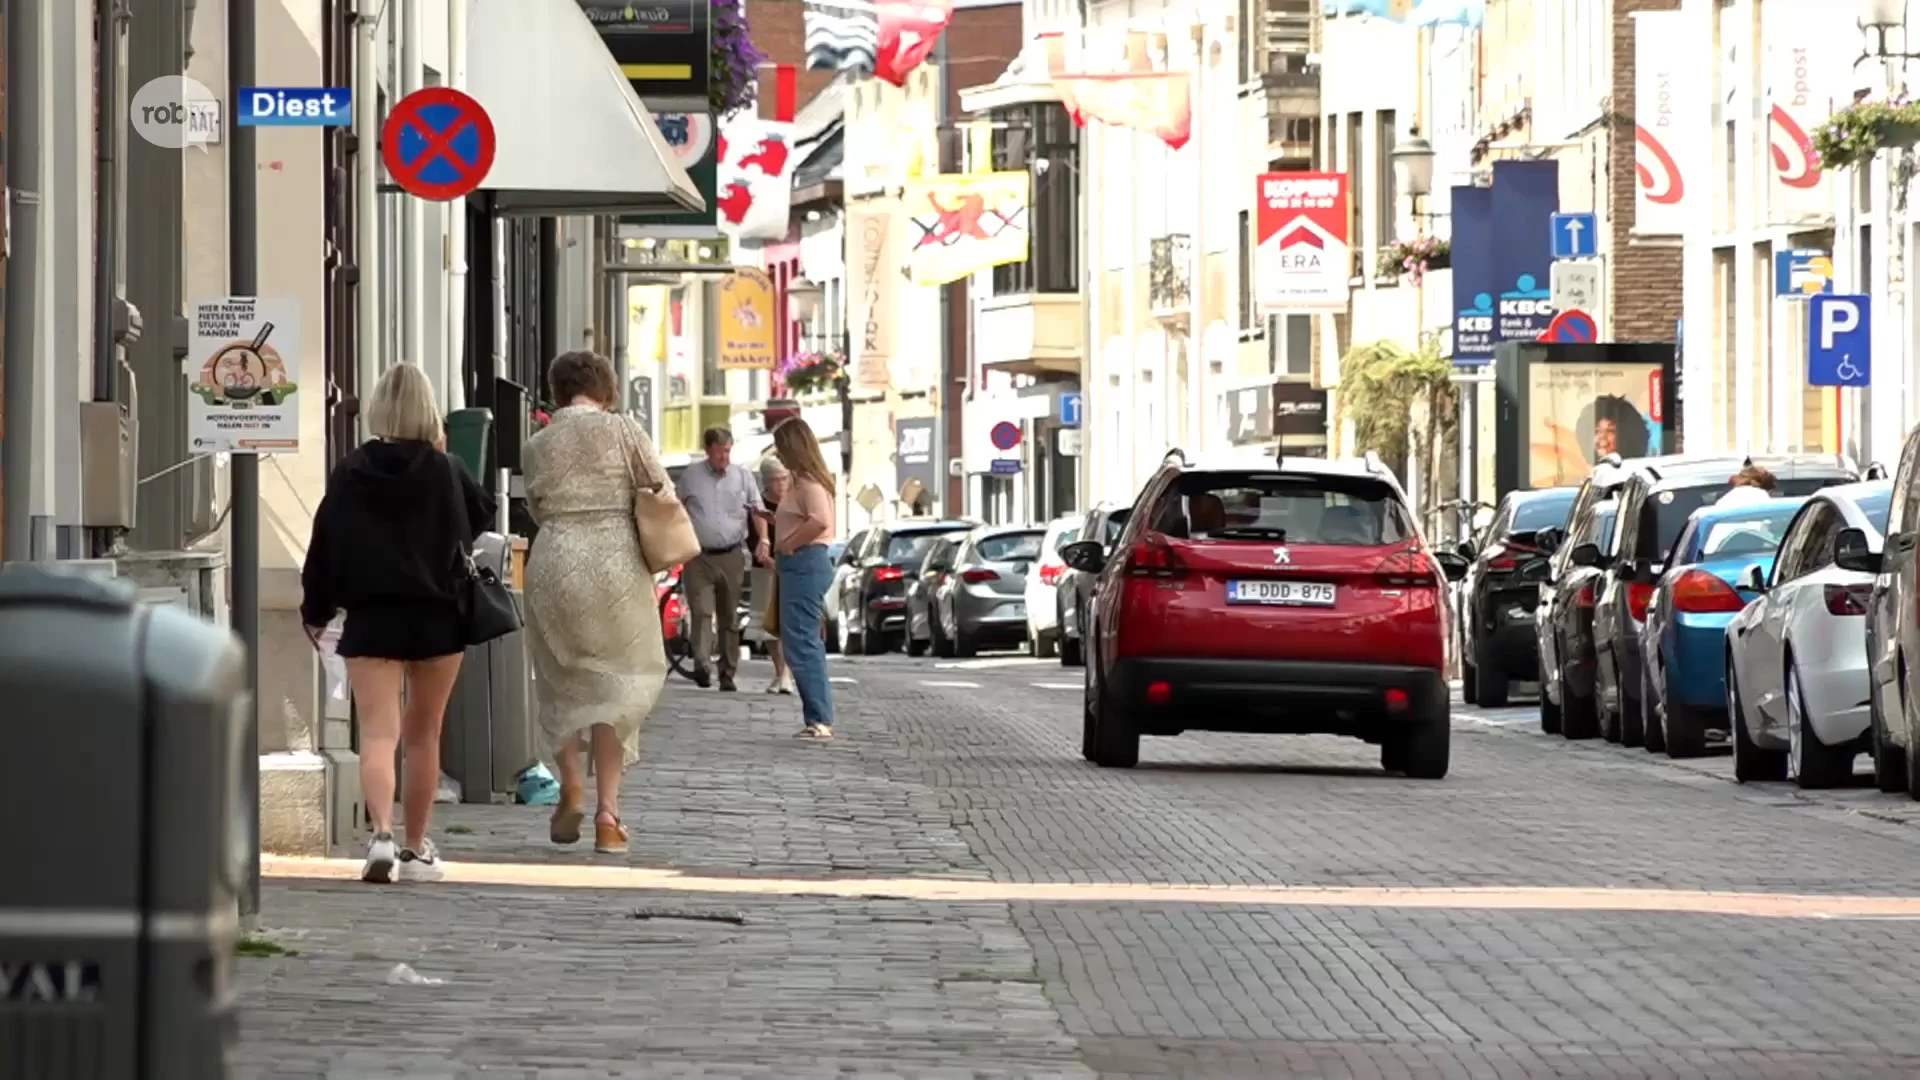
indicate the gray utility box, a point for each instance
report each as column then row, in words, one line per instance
column 126, row 840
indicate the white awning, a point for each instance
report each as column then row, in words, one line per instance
column 571, row 136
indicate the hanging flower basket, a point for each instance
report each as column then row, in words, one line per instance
column 809, row 373
column 1852, row 136
column 1414, row 258
column 734, row 82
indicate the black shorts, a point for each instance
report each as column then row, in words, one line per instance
column 413, row 632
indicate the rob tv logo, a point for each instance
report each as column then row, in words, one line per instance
column 296, row 106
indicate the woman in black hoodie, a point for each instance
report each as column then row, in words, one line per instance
column 398, row 519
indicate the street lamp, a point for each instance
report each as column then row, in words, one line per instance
column 1413, row 165
column 804, row 298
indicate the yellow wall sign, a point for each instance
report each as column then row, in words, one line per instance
column 747, row 321
column 964, row 223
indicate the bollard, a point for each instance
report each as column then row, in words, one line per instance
column 126, row 723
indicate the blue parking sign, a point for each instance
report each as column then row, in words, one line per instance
column 1840, row 341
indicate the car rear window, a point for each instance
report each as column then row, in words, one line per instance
column 1757, row 533
column 908, row 549
column 1543, row 512
column 1674, row 506
column 1011, row 547
column 1289, row 508
column 1116, row 524
column 1067, row 536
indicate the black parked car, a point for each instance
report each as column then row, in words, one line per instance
column 1075, row 590
column 1563, row 628
column 1655, row 504
column 1496, row 613
column 872, row 601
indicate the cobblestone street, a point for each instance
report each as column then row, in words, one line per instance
column 1023, row 921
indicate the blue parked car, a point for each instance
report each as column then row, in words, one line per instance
column 1684, row 639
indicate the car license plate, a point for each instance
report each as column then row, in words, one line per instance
column 1281, row 593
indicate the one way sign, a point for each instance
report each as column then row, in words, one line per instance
column 1574, row 236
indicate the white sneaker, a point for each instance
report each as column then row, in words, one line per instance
column 773, row 686
column 421, row 865
column 786, row 684
column 381, row 857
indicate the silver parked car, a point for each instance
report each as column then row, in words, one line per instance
column 979, row 599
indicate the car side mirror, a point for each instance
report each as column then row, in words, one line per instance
column 1534, row 570
column 1585, row 555
column 1852, row 552
column 1088, row 556
column 1467, row 551
column 1753, row 579
column 1452, row 564
column 1549, row 539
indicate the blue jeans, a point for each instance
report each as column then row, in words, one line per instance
column 804, row 577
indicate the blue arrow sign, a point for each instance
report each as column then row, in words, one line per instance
column 1839, row 345
column 1575, row 236
column 1070, row 406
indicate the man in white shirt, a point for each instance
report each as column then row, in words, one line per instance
column 721, row 498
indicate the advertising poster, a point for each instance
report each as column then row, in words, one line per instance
column 964, row 224
column 1301, row 255
column 1526, row 194
column 1581, row 412
column 747, row 321
column 1671, row 108
column 1473, row 276
column 243, row 376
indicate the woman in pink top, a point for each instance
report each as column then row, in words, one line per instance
column 803, row 527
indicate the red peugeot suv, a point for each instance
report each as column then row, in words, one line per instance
column 1274, row 596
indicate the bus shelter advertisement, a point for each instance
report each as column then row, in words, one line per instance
column 1581, row 412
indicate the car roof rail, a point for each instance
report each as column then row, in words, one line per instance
column 1174, row 454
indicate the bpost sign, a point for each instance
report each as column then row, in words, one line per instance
column 1301, row 260
column 663, row 48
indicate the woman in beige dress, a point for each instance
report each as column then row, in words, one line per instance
column 593, row 626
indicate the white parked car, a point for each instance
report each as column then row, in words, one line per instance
column 1797, row 656
column 1043, row 612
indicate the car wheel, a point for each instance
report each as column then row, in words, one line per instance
column 850, row 642
column 830, row 633
column 1072, row 650
column 1609, row 714
column 873, row 641
column 1653, row 707
column 1889, row 761
column 1116, row 735
column 915, row 646
column 1751, row 763
column 1422, row 748
column 1579, row 714
column 1493, row 685
column 1913, row 742
column 1469, row 681
column 1089, row 717
column 964, row 645
column 1549, row 714
column 1811, row 764
column 937, row 634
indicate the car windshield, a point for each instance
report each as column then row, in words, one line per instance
column 1603, row 525
column 1010, row 547
column 1116, row 523
column 908, row 549
column 1875, row 508
column 1068, row 534
column 1754, row 533
column 1284, row 508
column 1543, row 512
column 1674, row 506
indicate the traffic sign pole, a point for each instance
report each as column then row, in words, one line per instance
column 243, row 269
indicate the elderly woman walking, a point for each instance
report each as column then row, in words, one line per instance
column 593, row 626
column 775, row 481
column 803, row 527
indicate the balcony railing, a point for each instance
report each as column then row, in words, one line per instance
column 1169, row 275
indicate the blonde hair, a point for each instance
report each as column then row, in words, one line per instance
column 402, row 406
column 793, row 440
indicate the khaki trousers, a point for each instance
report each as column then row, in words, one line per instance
column 713, row 584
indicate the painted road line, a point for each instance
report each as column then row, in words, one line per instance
column 992, row 662
column 950, row 685
column 1058, row 686
column 843, row 680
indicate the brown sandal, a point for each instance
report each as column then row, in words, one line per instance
column 564, row 826
column 609, row 839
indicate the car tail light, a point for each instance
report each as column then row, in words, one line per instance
column 1408, row 567
column 1509, row 556
column 1847, row 599
column 975, row 577
column 1159, row 693
column 1397, row 700
column 1050, row 573
column 1152, row 557
column 1697, row 592
column 1639, row 598
column 888, row 573
column 1585, row 597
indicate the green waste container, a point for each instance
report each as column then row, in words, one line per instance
column 467, row 431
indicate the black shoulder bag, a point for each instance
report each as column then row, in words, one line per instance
column 487, row 610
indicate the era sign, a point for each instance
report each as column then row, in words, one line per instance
column 1302, row 261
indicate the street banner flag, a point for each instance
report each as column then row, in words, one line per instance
column 841, row 35
column 1302, row 259
column 909, row 30
column 962, row 224
column 1122, row 84
column 755, row 182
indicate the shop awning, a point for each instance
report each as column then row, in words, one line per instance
column 572, row 137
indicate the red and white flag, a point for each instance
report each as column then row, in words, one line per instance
column 1124, row 90
column 754, row 180
column 909, row 29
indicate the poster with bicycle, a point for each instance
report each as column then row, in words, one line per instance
column 243, row 376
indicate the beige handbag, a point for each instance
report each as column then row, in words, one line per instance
column 659, row 517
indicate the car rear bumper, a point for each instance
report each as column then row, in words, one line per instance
column 1697, row 666
column 1277, row 696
